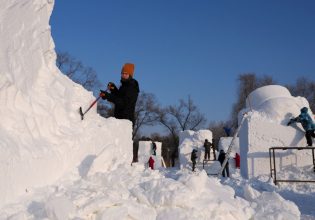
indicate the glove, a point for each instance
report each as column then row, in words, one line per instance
column 102, row 94
column 111, row 86
column 290, row 122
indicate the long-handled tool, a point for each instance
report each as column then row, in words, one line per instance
column 83, row 113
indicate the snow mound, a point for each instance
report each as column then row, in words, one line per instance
column 269, row 110
column 225, row 142
column 274, row 103
column 132, row 192
column 189, row 140
column 42, row 135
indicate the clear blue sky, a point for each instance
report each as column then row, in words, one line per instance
column 190, row 47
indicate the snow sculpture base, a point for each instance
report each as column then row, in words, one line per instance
column 189, row 140
column 256, row 137
column 145, row 151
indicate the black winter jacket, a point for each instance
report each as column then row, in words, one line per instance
column 125, row 99
column 221, row 157
column 193, row 156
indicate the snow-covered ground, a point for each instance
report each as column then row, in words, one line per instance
column 55, row 166
column 132, row 192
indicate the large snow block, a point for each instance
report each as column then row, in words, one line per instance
column 146, row 150
column 42, row 136
column 225, row 142
column 257, row 136
column 189, row 140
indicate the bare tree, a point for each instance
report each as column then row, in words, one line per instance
column 217, row 129
column 166, row 121
column 105, row 109
column 248, row 82
column 145, row 112
column 185, row 116
column 75, row 70
column 306, row 88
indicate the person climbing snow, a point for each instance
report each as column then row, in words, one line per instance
column 221, row 159
column 193, row 158
column 124, row 98
column 307, row 123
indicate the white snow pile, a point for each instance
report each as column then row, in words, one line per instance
column 270, row 108
column 55, row 166
column 225, row 143
column 145, row 151
column 41, row 134
column 189, row 140
column 132, row 192
column 275, row 104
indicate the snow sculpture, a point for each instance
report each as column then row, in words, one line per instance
column 269, row 109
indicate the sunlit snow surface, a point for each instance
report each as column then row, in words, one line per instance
column 55, row 166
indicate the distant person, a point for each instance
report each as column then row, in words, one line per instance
column 307, row 123
column 214, row 149
column 221, row 159
column 193, row 158
column 124, row 98
column 237, row 161
column 151, row 163
column 228, row 131
column 207, row 146
column 153, row 148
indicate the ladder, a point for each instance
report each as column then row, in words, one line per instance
column 228, row 152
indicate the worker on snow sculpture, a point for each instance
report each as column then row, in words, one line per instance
column 193, row 158
column 307, row 123
column 221, row 159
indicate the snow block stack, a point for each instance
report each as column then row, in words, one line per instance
column 270, row 108
column 189, row 140
column 42, row 136
column 146, row 150
column 224, row 144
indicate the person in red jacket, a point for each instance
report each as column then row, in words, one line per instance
column 237, row 161
column 151, row 163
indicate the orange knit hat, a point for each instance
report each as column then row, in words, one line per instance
column 128, row 68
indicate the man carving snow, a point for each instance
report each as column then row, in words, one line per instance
column 124, row 98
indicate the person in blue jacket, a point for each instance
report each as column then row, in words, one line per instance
column 307, row 123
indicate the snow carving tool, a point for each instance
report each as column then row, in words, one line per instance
column 83, row 113
column 93, row 103
column 228, row 152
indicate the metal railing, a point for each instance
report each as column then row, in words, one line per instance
column 273, row 171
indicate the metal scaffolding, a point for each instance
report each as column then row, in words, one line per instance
column 273, row 171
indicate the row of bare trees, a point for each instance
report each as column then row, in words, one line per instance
column 248, row 82
column 184, row 115
column 75, row 70
column 173, row 118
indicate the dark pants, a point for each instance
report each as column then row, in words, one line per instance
column 193, row 165
column 226, row 170
column 173, row 161
column 309, row 134
column 207, row 154
column 135, row 151
column 214, row 156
